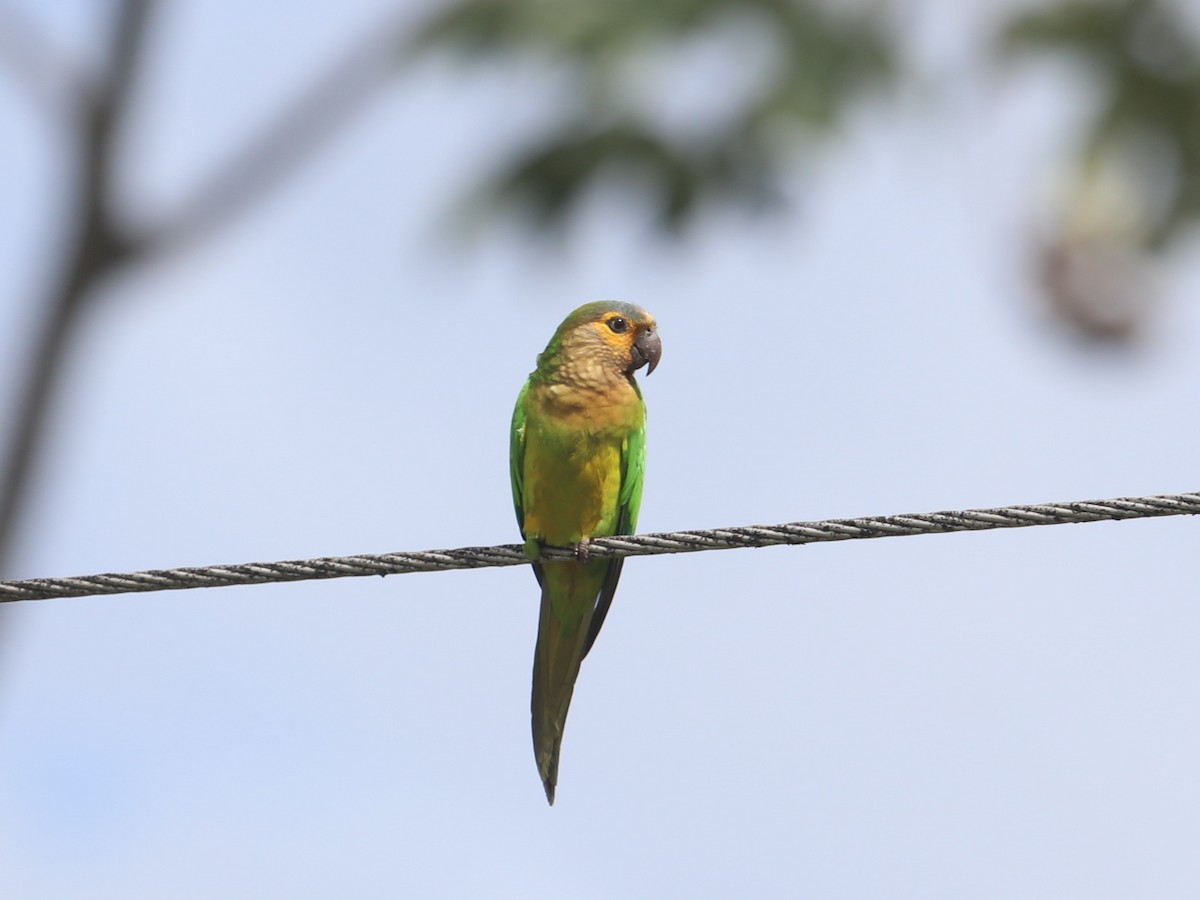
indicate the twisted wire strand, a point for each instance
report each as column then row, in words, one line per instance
column 603, row 548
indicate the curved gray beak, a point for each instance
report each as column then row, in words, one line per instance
column 647, row 350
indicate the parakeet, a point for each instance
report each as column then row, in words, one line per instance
column 577, row 453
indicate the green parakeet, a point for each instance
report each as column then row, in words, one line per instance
column 577, row 454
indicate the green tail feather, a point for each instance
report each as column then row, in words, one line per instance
column 568, row 603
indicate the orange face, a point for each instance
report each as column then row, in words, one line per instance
column 632, row 334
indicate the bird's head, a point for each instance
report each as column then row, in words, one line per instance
column 602, row 340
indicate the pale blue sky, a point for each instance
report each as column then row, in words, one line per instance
column 988, row 715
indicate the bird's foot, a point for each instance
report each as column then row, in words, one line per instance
column 583, row 550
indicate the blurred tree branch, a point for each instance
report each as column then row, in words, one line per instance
column 33, row 62
column 102, row 242
column 96, row 247
column 294, row 136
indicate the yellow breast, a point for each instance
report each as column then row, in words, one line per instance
column 572, row 468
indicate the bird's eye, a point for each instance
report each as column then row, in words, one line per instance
column 618, row 324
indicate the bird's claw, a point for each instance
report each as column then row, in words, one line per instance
column 583, row 550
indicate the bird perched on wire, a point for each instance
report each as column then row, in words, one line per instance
column 577, row 454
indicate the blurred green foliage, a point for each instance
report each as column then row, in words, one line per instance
column 1134, row 190
column 1146, row 63
column 817, row 57
column 813, row 62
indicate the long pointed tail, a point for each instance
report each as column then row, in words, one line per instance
column 562, row 634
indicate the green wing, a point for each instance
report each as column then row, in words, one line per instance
column 633, row 465
column 516, row 457
column 516, row 466
column 633, row 462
